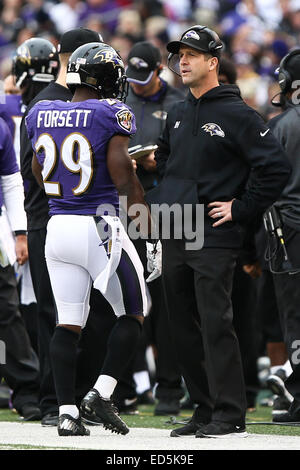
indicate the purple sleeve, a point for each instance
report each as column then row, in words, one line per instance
column 120, row 118
column 8, row 161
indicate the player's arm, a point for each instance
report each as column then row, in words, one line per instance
column 123, row 176
column 37, row 170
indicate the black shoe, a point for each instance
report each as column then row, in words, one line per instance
column 275, row 382
column 69, row 426
column 217, row 429
column 189, row 429
column 146, row 398
column 286, row 417
column 127, row 406
column 167, row 407
column 292, row 415
column 192, row 426
column 50, row 419
column 94, row 406
column 280, row 406
column 30, row 412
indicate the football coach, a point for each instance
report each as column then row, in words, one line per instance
column 211, row 144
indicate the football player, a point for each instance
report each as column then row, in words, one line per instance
column 81, row 159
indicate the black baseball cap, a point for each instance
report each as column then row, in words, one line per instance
column 143, row 59
column 198, row 37
column 75, row 38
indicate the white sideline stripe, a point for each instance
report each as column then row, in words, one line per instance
column 137, row 439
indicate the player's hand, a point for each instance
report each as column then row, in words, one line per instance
column 134, row 164
column 148, row 162
column 21, row 249
column 254, row 270
column 154, row 260
column 221, row 211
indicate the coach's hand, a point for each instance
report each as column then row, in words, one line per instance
column 254, row 270
column 221, row 211
column 21, row 249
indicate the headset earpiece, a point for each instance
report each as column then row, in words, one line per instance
column 284, row 77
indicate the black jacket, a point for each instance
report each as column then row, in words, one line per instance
column 285, row 127
column 206, row 153
column 36, row 201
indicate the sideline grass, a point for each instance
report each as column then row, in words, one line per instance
column 146, row 419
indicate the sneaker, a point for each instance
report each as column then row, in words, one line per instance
column 94, row 406
column 192, row 426
column 280, row 405
column 217, row 429
column 167, row 407
column 275, row 382
column 30, row 412
column 292, row 415
column 189, row 429
column 69, row 426
column 50, row 419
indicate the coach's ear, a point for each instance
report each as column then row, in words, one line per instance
column 37, row 170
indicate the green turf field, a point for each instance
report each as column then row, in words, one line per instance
column 145, row 419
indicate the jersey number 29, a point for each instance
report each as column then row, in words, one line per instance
column 83, row 164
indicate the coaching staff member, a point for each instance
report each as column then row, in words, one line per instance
column 211, row 142
column 285, row 127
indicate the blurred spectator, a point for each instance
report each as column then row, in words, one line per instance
column 122, row 44
column 108, row 10
column 130, row 24
column 65, row 15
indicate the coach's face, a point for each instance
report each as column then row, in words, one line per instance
column 194, row 66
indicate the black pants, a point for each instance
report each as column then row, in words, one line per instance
column 46, row 316
column 157, row 332
column 247, row 329
column 287, row 288
column 198, row 287
column 21, row 368
column 268, row 309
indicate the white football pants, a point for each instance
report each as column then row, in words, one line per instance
column 75, row 257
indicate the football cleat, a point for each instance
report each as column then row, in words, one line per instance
column 69, row 426
column 94, row 409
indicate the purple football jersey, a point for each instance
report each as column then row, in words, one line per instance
column 8, row 162
column 70, row 141
column 12, row 110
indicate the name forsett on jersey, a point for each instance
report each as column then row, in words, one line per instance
column 64, row 118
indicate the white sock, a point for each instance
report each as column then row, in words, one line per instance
column 274, row 369
column 71, row 410
column 288, row 368
column 105, row 386
column 142, row 381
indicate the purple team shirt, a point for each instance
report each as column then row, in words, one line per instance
column 8, row 161
column 12, row 108
column 11, row 112
column 70, row 141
